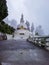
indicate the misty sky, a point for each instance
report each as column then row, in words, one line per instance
column 36, row 11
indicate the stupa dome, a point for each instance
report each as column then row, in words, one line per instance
column 22, row 26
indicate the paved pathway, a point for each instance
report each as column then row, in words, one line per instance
column 22, row 53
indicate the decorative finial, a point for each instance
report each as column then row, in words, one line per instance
column 22, row 15
column 22, row 19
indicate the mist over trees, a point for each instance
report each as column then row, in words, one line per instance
column 14, row 23
column 32, row 27
column 39, row 31
column 7, row 21
column 28, row 25
column 5, row 28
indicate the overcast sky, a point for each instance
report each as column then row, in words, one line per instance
column 36, row 11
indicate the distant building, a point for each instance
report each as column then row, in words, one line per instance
column 22, row 31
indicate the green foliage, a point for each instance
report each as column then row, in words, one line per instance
column 5, row 28
column 3, row 9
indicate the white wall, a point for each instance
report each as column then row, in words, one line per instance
column 18, row 36
column 9, row 37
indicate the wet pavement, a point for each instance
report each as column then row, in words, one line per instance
column 18, row 52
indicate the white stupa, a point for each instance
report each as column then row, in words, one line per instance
column 22, row 32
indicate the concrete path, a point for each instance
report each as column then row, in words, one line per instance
column 22, row 53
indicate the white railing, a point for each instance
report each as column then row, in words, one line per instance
column 42, row 41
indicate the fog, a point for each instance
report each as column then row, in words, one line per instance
column 36, row 11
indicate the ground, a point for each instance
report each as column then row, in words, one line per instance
column 18, row 52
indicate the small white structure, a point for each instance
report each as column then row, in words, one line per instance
column 22, row 32
column 9, row 37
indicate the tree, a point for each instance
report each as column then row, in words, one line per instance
column 5, row 28
column 32, row 27
column 28, row 25
column 3, row 9
column 39, row 31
